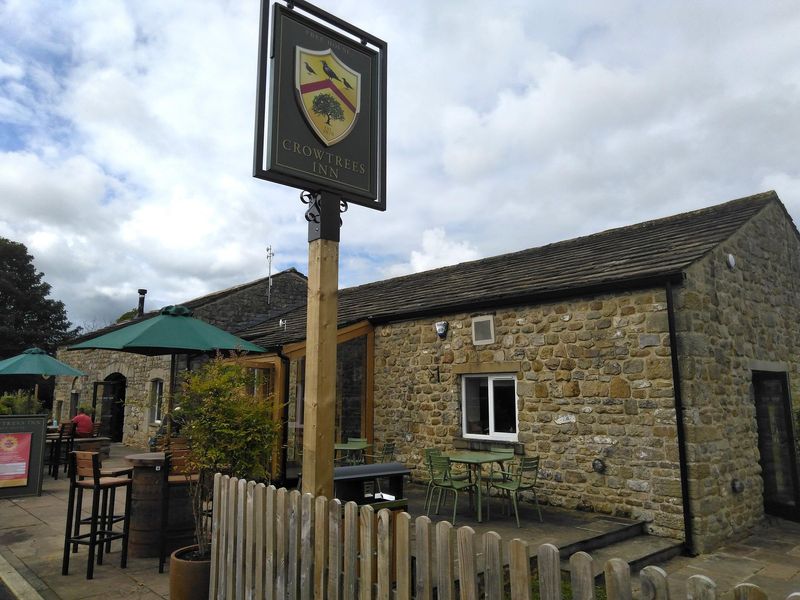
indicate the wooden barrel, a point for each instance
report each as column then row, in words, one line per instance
column 146, row 493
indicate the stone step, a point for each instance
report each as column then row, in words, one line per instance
column 617, row 530
column 639, row 552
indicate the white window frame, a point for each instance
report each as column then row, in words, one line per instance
column 493, row 435
column 156, row 401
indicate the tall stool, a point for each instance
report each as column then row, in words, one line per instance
column 109, row 498
column 176, row 474
column 61, row 448
column 85, row 474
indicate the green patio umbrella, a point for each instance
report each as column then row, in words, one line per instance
column 35, row 361
column 175, row 331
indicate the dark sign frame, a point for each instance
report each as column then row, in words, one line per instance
column 270, row 151
column 36, row 425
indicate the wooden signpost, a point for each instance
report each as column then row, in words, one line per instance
column 321, row 127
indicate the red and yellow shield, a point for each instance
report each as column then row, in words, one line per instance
column 328, row 92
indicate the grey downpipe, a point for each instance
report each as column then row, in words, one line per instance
column 688, row 543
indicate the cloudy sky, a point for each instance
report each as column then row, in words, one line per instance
column 126, row 132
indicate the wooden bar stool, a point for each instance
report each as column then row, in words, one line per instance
column 177, row 474
column 85, row 474
column 109, row 497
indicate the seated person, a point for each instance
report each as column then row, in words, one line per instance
column 83, row 424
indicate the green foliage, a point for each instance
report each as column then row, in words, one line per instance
column 127, row 316
column 327, row 106
column 20, row 403
column 229, row 430
column 30, row 318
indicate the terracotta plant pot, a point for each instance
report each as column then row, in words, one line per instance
column 188, row 579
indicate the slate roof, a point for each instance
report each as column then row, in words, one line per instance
column 636, row 255
column 193, row 304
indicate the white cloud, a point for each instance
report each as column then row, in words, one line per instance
column 126, row 134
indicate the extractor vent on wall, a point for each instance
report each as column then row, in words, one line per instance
column 483, row 330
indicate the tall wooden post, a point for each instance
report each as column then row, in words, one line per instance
column 320, row 383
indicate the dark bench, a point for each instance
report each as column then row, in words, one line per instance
column 359, row 483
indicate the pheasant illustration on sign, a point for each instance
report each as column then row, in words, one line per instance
column 328, row 92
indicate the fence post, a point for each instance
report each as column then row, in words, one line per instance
column 270, row 532
column 467, row 569
column 320, row 545
column 520, row 570
column 549, row 564
column 654, row 583
column 281, row 501
column 230, row 550
column 293, row 535
column 445, row 584
column 307, row 543
column 366, row 576
column 249, row 541
column 581, row 568
column 384, row 555
column 618, row 579
column 215, row 521
column 334, row 591
column 259, row 495
column 350, row 585
column 700, row 587
column 424, row 583
column 493, row 572
column 748, row 591
column 402, row 555
column 241, row 529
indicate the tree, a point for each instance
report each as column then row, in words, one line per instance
column 27, row 316
column 327, row 106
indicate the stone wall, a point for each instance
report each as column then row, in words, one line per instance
column 138, row 371
column 232, row 311
column 594, row 380
column 731, row 322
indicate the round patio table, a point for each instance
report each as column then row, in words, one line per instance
column 146, row 498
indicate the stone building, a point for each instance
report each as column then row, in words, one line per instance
column 650, row 367
column 127, row 390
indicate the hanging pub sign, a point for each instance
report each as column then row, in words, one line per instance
column 324, row 128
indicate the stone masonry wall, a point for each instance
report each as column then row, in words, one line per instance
column 138, row 370
column 731, row 322
column 231, row 312
column 594, row 380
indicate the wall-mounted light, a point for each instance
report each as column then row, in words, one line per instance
column 737, row 486
column 441, row 329
column 598, row 465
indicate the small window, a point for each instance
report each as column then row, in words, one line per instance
column 156, row 400
column 489, row 406
column 483, row 330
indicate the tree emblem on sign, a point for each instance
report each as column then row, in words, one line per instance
column 327, row 106
column 328, row 93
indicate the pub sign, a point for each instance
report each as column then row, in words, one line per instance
column 321, row 125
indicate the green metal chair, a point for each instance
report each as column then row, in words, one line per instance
column 521, row 477
column 385, row 455
column 499, row 474
column 442, row 482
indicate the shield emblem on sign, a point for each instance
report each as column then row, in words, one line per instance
column 328, row 92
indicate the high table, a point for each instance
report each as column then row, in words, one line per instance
column 146, row 497
column 351, row 448
column 474, row 460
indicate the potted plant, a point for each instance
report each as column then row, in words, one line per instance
column 228, row 430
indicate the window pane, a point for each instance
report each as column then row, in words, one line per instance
column 505, row 406
column 476, row 405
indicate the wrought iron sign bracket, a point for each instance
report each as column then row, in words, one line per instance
column 322, row 214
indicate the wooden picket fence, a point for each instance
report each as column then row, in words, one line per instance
column 276, row 544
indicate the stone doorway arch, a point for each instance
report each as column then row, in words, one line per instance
column 109, row 405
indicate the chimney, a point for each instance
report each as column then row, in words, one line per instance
column 140, row 310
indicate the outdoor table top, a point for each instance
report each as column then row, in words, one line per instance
column 473, row 457
column 146, row 459
column 370, row 471
column 351, row 445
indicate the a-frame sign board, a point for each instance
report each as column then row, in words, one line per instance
column 321, row 127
